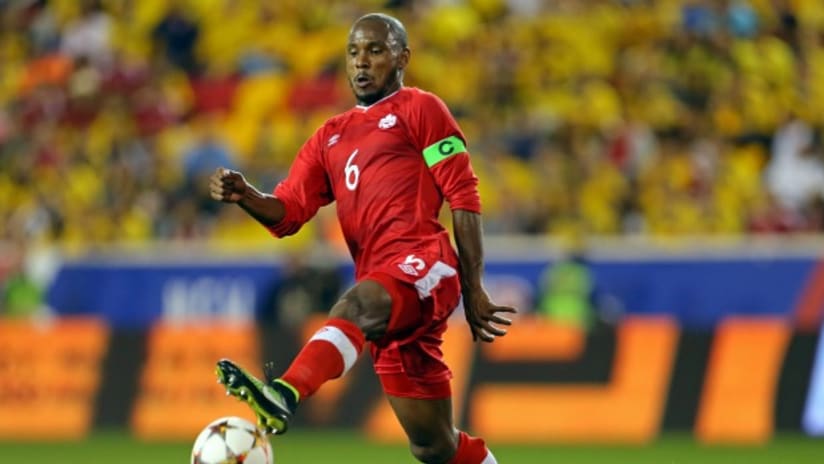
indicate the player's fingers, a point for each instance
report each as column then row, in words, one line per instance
column 217, row 192
column 215, row 181
column 491, row 329
column 500, row 320
column 485, row 336
column 229, row 186
column 221, row 182
column 505, row 309
column 482, row 330
column 473, row 327
column 476, row 324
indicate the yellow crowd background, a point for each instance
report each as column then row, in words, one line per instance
column 594, row 117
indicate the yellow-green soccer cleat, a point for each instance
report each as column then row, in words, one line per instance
column 270, row 406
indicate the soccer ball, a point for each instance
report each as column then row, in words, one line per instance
column 232, row 440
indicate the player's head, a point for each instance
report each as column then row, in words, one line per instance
column 376, row 55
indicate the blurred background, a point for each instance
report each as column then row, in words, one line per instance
column 652, row 175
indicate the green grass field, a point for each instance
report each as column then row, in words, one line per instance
column 348, row 448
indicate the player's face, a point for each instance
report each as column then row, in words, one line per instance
column 374, row 61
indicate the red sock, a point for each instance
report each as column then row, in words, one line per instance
column 328, row 354
column 472, row 450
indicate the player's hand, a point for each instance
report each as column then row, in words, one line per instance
column 227, row 186
column 481, row 314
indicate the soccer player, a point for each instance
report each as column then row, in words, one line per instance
column 389, row 163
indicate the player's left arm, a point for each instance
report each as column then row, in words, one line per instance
column 444, row 150
column 479, row 310
column 457, row 181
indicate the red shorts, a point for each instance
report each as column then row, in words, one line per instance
column 408, row 359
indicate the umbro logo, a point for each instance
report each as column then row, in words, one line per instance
column 333, row 140
column 408, row 269
column 388, row 121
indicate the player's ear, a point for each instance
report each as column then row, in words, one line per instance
column 403, row 59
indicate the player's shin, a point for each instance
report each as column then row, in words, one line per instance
column 329, row 354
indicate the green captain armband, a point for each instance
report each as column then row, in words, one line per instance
column 443, row 149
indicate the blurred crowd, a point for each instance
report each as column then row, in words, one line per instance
column 599, row 117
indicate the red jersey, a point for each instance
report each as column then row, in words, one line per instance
column 389, row 166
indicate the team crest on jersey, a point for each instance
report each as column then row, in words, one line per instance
column 333, row 140
column 388, row 121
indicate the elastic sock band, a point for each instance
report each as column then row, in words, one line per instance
column 290, row 388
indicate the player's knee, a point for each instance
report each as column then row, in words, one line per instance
column 369, row 306
column 433, row 453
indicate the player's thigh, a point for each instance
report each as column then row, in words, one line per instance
column 427, row 422
column 368, row 305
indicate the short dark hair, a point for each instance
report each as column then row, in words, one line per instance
column 396, row 28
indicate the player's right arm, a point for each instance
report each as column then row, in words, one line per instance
column 294, row 201
column 231, row 187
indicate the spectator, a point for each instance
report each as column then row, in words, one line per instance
column 20, row 295
column 175, row 36
column 568, row 295
column 88, row 37
column 612, row 79
column 742, row 21
column 567, row 290
column 208, row 153
column 213, row 90
column 303, row 289
column 795, row 173
column 44, row 31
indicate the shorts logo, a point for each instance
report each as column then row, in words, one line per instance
column 388, row 121
column 411, row 265
column 408, row 269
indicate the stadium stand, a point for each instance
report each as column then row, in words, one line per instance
column 660, row 117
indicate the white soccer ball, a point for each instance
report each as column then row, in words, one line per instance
column 231, row 440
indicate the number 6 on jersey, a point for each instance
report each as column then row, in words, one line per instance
column 352, row 172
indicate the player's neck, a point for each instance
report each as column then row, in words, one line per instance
column 363, row 106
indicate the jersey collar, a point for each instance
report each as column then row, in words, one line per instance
column 366, row 108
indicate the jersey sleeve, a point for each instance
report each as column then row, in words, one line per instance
column 305, row 189
column 443, row 147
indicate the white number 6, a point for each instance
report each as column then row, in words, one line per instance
column 352, row 173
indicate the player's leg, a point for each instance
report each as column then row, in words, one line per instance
column 415, row 377
column 433, row 438
column 361, row 314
